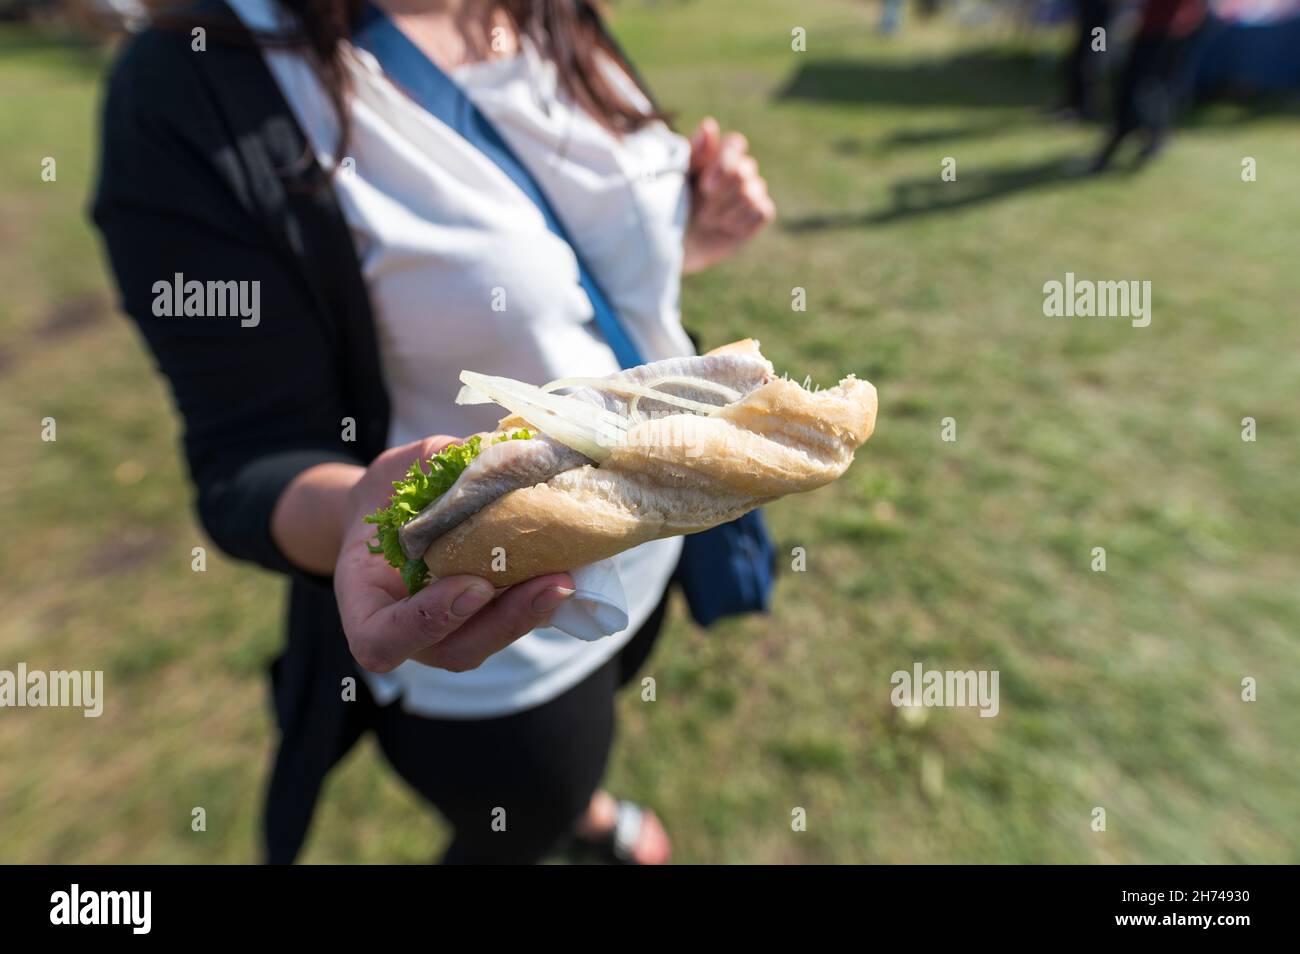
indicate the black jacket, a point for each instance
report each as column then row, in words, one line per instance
column 205, row 172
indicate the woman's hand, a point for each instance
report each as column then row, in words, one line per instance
column 729, row 203
column 453, row 623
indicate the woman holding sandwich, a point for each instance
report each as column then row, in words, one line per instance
column 269, row 142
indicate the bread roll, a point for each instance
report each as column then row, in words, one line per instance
column 678, row 474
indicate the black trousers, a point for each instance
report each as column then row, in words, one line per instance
column 1151, row 84
column 513, row 786
column 1083, row 65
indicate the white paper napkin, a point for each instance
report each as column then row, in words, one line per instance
column 598, row 607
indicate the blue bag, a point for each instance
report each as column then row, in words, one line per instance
column 727, row 570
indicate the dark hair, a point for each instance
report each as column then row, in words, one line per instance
column 571, row 33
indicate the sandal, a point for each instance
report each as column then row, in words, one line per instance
column 617, row 846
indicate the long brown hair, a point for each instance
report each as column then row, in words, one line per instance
column 570, row 33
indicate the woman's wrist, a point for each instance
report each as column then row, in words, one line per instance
column 311, row 517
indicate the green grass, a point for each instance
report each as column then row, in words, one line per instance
column 1118, row 689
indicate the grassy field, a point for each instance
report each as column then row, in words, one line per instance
column 1119, row 690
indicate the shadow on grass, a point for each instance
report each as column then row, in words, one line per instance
column 936, row 135
column 980, row 78
column 929, row 195
column 944, row 135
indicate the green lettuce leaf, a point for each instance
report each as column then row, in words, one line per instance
column 416, row 491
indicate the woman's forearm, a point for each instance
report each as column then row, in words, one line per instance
column 307, row 522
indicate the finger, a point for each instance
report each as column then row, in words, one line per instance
column 748, row 211
column 729, row 185
column 390, row 632
column 517, row 611
column 735, row 171
column 735, row 197
column 375, row 488
column 396, row 461
column 730, row 152
column 704, row 144
column 734, row 143
column 742, row 223
column 364, row 583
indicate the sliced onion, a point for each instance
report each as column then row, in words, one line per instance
column 469, row 395
column 699, row 383
column 647, row 390
column 588, row 429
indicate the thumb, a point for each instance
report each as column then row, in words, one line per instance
column 396, row 461
column 375, row 488
column 705, row 142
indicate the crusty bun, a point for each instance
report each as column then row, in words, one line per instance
column 677, row 474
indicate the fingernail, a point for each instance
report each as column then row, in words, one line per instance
column 550, row 598
column 472, row 599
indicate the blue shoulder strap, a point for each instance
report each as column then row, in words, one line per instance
column 428, row 85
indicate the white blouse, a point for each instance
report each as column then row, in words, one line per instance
column 464, row 274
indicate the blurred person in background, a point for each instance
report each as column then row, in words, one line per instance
column 1083, row 65
column 891, row 16
column 1151, row 85
column 283, row 153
